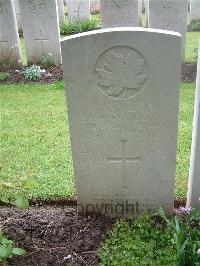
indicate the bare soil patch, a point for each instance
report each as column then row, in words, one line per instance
column 54, row 235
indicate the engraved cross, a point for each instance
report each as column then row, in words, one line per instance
column 2, row 45
column 124, row 160
column 41, row 40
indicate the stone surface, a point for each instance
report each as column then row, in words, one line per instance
column 78, row 10
column 95, row 6
column 195, row 9
column 18, row 14
column 123, row 114
column 61, row 11
column 119, row 13
column 41, row 30
column 193, row 198
column 169, row 15
column 9, row 40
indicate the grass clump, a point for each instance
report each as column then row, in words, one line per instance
column 73, row 28
column 4, row 76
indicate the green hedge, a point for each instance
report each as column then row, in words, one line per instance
column 73, row 28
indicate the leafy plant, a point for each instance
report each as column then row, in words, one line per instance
column 33, row 72
column 144, row 241
column 17, row 193
column 48, row 60
column 20, row 32
column 186, row 235
column 73, row 28
column 8, row 249
column 4, row 76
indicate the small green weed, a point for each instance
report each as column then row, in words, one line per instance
column 17, row 193
column 48, row 60
column 4, row 76
column 8, row 249
column 33, row 72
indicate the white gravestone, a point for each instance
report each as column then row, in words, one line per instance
column 18, row 14
column 119, row 13
column 78, row 10
column 10, row 52
column 123, row 114
column 193, row 198
column 195, row 10
column 41, row 30
column 169, row 15
column 61, row 11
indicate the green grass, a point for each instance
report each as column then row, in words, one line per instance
column 184, row 137
column 192, row 44
column 35, row 138
column 36, row 143
column 23, row 49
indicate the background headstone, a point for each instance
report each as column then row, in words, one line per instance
column 119, row 13
column 78, row 10
column 169, row 15
column 41, row 30
column 193, row 198
column 10, row 52
column 61, row 11
column 195, row 9
column 123, row 114
column 18, row 15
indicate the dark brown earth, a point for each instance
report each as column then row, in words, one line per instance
column 55, row 73
column 52, row 74
column 54, row 235
column 188, row 72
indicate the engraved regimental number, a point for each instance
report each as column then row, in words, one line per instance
column 168, row 3
column 37, row 6
column 121, row 72
column 120, row 3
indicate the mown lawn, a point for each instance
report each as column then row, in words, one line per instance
column 35, row 138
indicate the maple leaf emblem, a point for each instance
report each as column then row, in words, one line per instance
column 120, row 3
column 121, row 73
column 168, row 3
